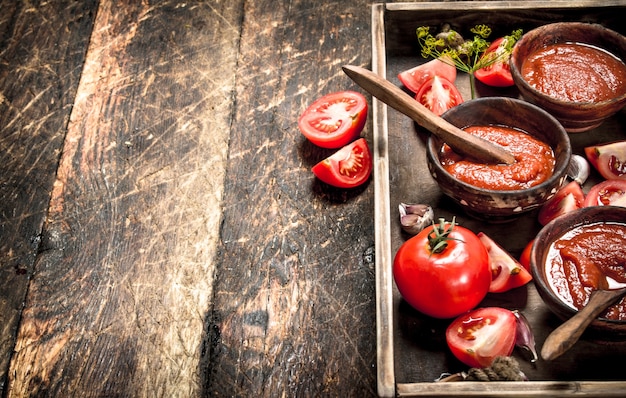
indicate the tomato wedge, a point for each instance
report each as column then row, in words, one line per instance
column 524, row 258
column 439, row 94
column 568, row 198
column 506, row 272
column 607, row 193
column 479, row 336
column 497, row 74
column 609, row 159
column 415, row 77
column 334, row 120
column 349, row 167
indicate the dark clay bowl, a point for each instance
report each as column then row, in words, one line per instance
column 574, row 116
column 493, row 205
column 602, row 329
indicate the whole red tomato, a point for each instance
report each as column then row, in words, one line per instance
column 443, row 271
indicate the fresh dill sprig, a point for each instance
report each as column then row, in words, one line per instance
column 466, row 55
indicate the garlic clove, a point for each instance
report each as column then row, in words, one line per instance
column 524, row 336
column 415, row 217
column 578, row 169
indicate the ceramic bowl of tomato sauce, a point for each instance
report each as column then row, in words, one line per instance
column 499, row 193
column 576, row 253
column 573, row 70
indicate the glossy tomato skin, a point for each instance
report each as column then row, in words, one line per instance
column 414, row 78
column 334, row 120
column 607, row 193
column 568, row 198
column 497, row 74
column 506, row 272
column 478, row 337
column 438, row 95
column 609, row 159
column 443, row 285
column 524, row 258
column 349, row 167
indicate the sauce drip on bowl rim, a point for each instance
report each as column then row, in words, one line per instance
column 534, row 161
column 575, row 72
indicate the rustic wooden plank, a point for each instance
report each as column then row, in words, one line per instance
column 42, row 48
column 121, row 288
column 294, row 310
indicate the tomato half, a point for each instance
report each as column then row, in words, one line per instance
column 478, row 337
column 568, row 198
column 334, row 120
column 415, row 77
column 608, row 192
column 609, row 159
column 442, row 283
column 349, row 167
column 439, row 94
column 506, row 272
column 524, row 258
column 497, row 74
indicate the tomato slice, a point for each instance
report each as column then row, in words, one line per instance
column 607, row 193
column 506, row 272
column 479, row 336
column 334, row 120
column 415, row 77
column 439, row 94
column 524, row 258
column 568, row 198
column 497, row 74
column 349, row 167
column 609, row 159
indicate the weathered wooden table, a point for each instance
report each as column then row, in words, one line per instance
column 161, row 233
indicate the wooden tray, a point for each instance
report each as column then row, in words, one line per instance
column 412, row 351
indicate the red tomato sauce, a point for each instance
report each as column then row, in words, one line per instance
column 575, row 72
column 587, row 258
column 534, row 161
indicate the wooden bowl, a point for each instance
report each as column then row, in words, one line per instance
column 601, row 328
column 494, row 205
column 574, row 116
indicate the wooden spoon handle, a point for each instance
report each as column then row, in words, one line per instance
column 461, row 141
column 565, row 336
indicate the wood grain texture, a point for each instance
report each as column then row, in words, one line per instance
column 294, row 306
column 121, row 288
column 42, row 48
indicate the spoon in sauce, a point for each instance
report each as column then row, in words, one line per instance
column 460, row 141
column 565, row 336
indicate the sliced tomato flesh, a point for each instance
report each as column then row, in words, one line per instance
column 438, row 95
column 334, row 120
column 414, row 78
column 609, row 159
column 349, row 167
column 506, row 272
column 498, row 73
column 479, row 336
column 568, row 198
column 607, row 193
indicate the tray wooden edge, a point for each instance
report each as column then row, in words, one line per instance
column 382, row 232
column 386, row 383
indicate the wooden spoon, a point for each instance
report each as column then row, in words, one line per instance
column 460, row 141
column 565, row 336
